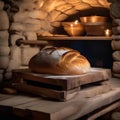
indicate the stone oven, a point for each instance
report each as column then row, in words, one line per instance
column 26, row 19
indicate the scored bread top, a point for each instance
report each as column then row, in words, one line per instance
column 59, row 60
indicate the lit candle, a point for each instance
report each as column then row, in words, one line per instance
column 107, row 32
column 76, row 22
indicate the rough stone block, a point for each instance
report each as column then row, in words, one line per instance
column 53, row 16
column 116, row 55
column 116, row 30
column 116, row 75
column 38, row 14
column 17, row 27
column 50, row 5
column 13, row 64
column 64, row 7
column 21, row 16
column 27, row 53
column 116, row 21
column 115, row 44
column 32, row 21
column 27, row 5
column 116, row 67
column 39, row 4
column 45, row 25
column 30, row 35
column 82, row 6
column 4, row 50
column 15, row 59
column 4, row 38
column 104, row 3
column 4, row 20
column 15, row 52
column 115, row 9
column 32, row 27
column 4, row 62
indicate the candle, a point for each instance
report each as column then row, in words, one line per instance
column 76, row 22
column 107, row 32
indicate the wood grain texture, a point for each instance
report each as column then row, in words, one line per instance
column 63, row 38
column 62, row 87
column 67, row 82
column 35, row 107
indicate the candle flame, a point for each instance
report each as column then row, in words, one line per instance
column 76, row 22
column 107, row 32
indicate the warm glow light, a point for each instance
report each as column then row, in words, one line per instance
column 93, row 19
column 107, row 32
column 71, row 25
column 76, row 22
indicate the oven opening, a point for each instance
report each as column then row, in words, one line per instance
column 98, row 52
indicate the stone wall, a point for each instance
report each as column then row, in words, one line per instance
column 4, row 44
column 27, row 18
column 115, row 8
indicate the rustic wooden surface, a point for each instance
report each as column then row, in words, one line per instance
column 37, row 108
column 67, row 82
column 62, row 87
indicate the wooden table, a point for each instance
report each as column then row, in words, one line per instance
column 36, row 108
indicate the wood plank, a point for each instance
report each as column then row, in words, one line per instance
column 69, row 110
column 90, row 91
column 69, row 85
column 48, row 93
column 95, row 102
column 77, row 107
column 36, row 102
column 67, row 82
column 99, row 74
column 3, row 97
column 27, row 75
column 31, row 42
column 16, row 100
column 63, row 38
column 105, row 110
column 95, row 90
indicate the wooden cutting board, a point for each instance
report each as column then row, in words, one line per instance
column 60, row 87
column 67, row 82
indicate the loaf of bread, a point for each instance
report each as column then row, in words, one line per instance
column 59, row 60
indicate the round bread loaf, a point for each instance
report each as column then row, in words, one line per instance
column 59, row 60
